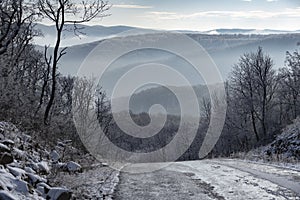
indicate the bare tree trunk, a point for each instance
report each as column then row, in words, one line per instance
column 45, row 81
column 54, row 68
column 263, row 118
column 254, row 126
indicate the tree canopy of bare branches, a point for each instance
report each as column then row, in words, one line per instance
column 253, row 82
column 62, row 12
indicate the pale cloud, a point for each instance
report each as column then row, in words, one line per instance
column 256, row 14
column 131, row 6
column 163, row 13
column 247, row 0
column 271, row 0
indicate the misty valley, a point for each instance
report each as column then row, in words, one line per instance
column 143, row 100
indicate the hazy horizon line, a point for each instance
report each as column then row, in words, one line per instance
column 202, row 30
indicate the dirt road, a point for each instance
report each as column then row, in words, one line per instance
column 210, row 179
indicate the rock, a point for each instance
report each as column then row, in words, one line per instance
column 43, row 189
column 29, row 170
column 54, row 156
column 26, row 138
column 6, row 195
column 67, row 142
column 8, row 142
column 73, row 167
column 6, row 158
column 43, row 167
column 33, row 179
column 59, row 194
column 19, row 154
column 21, row 186
column 104, row 164
column 17, row 172
column 4, row 148
column 65, row 196
column 61, row 144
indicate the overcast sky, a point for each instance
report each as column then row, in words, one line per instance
column 204, row 14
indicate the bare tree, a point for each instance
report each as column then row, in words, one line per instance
column 206, row 108
column 289, row 89
column 62, row 12
column 103, row 110
column 21, row 64
column 253, row 82
column 14, row 15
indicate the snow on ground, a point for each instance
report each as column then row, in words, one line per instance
column 97, row 182
column 232, row 183
column 162, row 185
column 218, row 178
column 267, row 168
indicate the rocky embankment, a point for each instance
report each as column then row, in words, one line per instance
column 26, row 166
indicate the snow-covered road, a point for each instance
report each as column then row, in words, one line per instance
column 210, row 179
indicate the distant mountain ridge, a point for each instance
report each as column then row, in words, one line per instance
column 85, row 33
column 237, row 31
column 94, row 33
